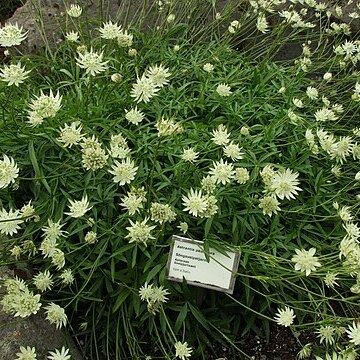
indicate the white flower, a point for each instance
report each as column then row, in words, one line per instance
column 116, row 77
column 182, row 350
column 71, row 134
column 269, row 205
column 284, row 184
column 124, row 39
column 44, row 106
column 330, row 279
column 72, row 36
column 354, row 333
column 67, row 278
column 326, row 334
column 53, row 231
column 90, row 237
column 14, row 74
column 134, row 116
column 74, row 10
column 195, row 203
column 233, row 151
column 10, row 221
column 158, row 75
column 92, row 62
column 183, row 227
column 327, row 76
column 144, row 89
column 222, row 172
column 59, row 355
column 56, row 315
column 27, row 353
column 132, row 52
column 208, row 67
column 285, row 317
column 140, row 232
column 78, row 208
column 11, row 35
column 305, row 260
column 110, row 30
column 189, row 155
column 43, row 280
column 220, row 136
column 312, row 93
column 241, row 175
column 8, row 171
column 223, row 90
column 262, row 24
column 124, row 172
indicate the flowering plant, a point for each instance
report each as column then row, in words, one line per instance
column 117, row 149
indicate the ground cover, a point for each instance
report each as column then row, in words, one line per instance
column 119, row 139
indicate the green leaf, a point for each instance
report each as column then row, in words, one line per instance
column 121, row 298
column 153, row 272
column 181, row 318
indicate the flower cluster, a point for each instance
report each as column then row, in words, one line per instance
column 155, row 296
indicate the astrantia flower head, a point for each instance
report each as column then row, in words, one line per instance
column 222, row 172
column 223, row 90
column 14, row 74
column 183, row 351
column 90, row 237
column 167, row 127
column 195, row 203
column 74, row 10
column 78, row 208
column 326, row 334
column 59, row 355
column 233, row 151
column 53, row 230
column 284, row 184
column 67, row 277
column 72, row 36
column 354, row 333
column 71, row 134
column 269, row 205
column 158, row 75
column 189, row 155
column 140, row 232
column 92, row 62
column 162, row 213
column 241, row 175
column 305, row 261
column 11, row 35
column 123, row 172
column 45, row 106
column 221, row 135
column 125, row 39
column 208, row 67
column 285, row 317
column 8, row 171
column 27, row 353
column 134, row 116
column 10, row 221
column 56, row 315
column 43, row 280
column 312, row 93
column 144, row 89
column 110, row 30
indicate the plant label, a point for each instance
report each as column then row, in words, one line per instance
column 187, row 260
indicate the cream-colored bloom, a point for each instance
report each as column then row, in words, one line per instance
column 43, row 280
column 208, row 67
column 74, row 10
column 158, row 75
column 241, row 175
column 140, row 232
column 8, row 171
column 72, row 36
column 221, row 135
column 354, row 333
column 327, row 76
column 312, row 93
column 222, row 172
column 161, row 213
column 326, row 334
column 56, row 315
column 92, row 62
column 59, row 355
column 305, row 261
column 12, row 35
column 285, row 317
column 90, row 237
column 269, row 205
column 195, row 203
column 116, row 77
column 167, row 127
column 223, row 90
column 144, row 89
column 261, row 24
column 124, row 172
column 134, row 116
column 53, row 230
column 284, row 184
column 189, row 155
column 14, row 74
column 10, row 221
column 45, row 106
column 67, row 277
column 110, row 31
column 78, row 208
column 233, row 151
column 125, row 39
column 27, row 353
column 71, row 134
column 182, row 350
column 132, row 52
